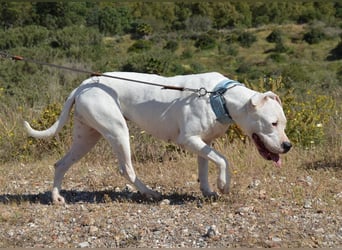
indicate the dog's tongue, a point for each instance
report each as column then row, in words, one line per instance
column 276, row 159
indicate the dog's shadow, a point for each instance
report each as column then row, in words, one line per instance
column 95, row 197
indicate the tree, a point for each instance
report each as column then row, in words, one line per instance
column 114, row 21
column 13, row 14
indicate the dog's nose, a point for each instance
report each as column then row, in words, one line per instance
column 286, row 146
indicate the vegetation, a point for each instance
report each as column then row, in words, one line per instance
column 292, row 48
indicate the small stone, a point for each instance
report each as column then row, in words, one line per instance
column 199, row 204
column 212, row 231
column 338, row 196
column 87, row 221
column 262, row 194
column 245, row 210
column 307, row 204
column 309, row 180
column 254, row 184
column 129, row 188
column 84, row 244
column 319, row 230
column 93, row 229
column 165, row 202
column 276, row 239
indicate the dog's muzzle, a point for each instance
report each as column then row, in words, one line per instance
column 267, row 154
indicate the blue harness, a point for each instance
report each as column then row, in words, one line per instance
column 218, row 102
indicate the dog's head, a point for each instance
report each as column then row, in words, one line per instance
column 265, row 125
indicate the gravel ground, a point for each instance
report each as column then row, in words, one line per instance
column 254, row 214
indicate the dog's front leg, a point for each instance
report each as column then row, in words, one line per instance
column 205, row 153
column 203, row 177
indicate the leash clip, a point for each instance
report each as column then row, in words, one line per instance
column 202, row 92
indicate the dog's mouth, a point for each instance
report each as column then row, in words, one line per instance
column 264, row 152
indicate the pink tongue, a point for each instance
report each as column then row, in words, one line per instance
column 277, row 161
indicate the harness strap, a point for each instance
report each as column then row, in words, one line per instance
column 218, row 103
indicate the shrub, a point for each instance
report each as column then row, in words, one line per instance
column 246, row 39
column 314, row 36
column 280, row 47
column 275, row 36
column 205, row 42
column 277, row 57
column 156, row 62
column 28, row 36
column 187, row 53
column 228, row 49
column 336, row 53
column 111, row 20
column 171, row 45
column 76, row 36
column 141, row 30
column 47, row 117
column 198, row 23
column 140, row 45
column 18, row 146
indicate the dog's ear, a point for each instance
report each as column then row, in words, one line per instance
column 273, row 96
column 259, row 99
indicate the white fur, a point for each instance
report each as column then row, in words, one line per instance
column 102, row 106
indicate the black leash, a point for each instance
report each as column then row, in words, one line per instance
column 200, row 91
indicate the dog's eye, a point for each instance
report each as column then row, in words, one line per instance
column 274, row 124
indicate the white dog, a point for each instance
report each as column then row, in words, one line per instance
column 192, row 120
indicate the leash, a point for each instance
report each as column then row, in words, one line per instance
column 200, row 91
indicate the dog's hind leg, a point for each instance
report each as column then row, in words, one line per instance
column 119, row 140
column 84, row 138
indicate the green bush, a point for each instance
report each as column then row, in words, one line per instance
column 141, row 30
column 18, row 146
column 76, row 36
column 172, row 45
column 277, row 57
column 156, row 62
column 246, row 39
column 55, row 144
column 280, row 47
column 275, row 36
column 140, row 45
column 314, row 36
column 29, row 36
column 205, row 42
column 198, row 24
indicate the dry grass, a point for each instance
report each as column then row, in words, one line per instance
column 293, row 206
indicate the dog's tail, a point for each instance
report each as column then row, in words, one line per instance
column 58, row 125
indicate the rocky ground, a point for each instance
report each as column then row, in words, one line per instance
column 267, row 207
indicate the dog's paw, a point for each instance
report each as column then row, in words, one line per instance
column 58, row 200
column 223, row 186
column 208, row 193
column 211, row 195
column 152, row 195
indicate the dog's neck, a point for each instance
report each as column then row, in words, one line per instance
column 237, row 100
